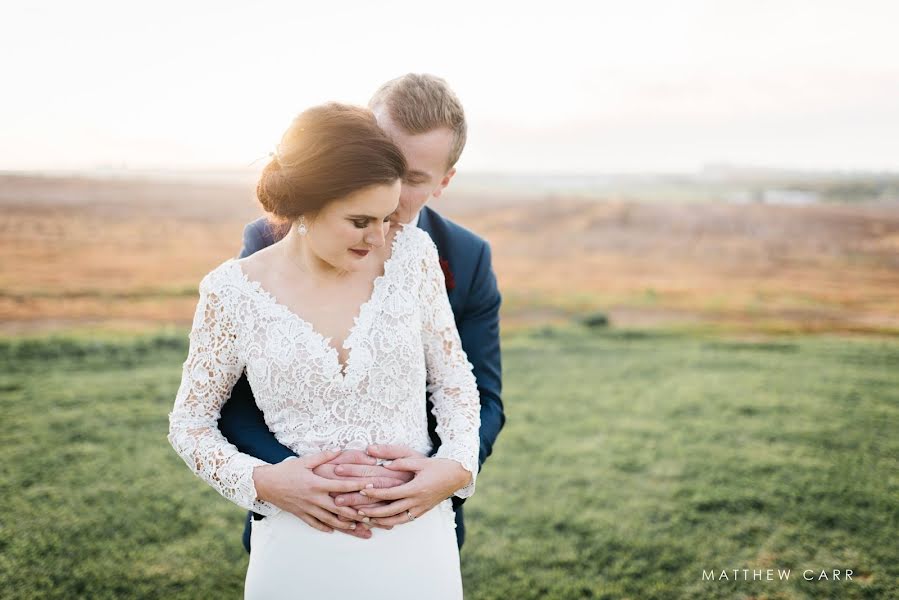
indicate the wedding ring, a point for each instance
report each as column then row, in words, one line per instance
column 409, row 514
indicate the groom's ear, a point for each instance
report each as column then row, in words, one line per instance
column 444, row 182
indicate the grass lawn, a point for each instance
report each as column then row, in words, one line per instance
column 630, row 463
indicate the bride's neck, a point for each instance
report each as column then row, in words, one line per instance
column 300, row 255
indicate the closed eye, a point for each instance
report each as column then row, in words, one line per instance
column 416, row 177
column 363, row 223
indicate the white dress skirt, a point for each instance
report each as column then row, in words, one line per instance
column 291, row 560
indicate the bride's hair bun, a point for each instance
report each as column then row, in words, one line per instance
column 274, row 193
column 327, row 153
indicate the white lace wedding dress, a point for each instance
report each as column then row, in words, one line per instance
column 403, row 341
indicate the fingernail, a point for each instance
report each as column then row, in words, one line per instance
column 361, row 513
column 369, row 486
column 363, row 492
column 367, row 520
column 338, row 501
column 375, row 448
column 353, row 526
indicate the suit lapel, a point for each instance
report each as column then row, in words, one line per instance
column 424, row 221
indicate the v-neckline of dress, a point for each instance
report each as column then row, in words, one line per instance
column 342, row 369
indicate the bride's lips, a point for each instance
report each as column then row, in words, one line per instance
column 359, row 253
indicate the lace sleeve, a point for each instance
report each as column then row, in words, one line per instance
column 451, row 383
column 208, row 375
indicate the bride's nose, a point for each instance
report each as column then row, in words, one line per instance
column 375, row 236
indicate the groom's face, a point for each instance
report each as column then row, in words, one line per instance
column 427, row 155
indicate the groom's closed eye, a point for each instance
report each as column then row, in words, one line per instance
column 416, row 178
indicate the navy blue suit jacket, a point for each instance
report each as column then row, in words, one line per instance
column 475, row 300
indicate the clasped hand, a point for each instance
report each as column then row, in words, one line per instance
column 350, row 492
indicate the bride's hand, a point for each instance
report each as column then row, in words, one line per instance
column 293, row 486
column 356, row 464
column 363, row 530
column 434, row 480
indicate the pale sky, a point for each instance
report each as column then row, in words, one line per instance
column 580, row 87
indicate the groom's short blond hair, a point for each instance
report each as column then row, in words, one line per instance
column 419, row 103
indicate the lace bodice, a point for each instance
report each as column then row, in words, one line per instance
column 403, row 341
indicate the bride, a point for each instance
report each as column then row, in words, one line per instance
column 341, row 326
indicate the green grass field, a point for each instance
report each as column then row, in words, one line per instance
column 630, row 462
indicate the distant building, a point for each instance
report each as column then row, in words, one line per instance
column 774, row 196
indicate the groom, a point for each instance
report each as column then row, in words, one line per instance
column 424, row 117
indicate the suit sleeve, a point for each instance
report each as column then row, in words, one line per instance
column 256, row 236
column 479, row 331
column 241, row 422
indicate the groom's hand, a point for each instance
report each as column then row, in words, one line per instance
column 357, row 465
column 434, row 480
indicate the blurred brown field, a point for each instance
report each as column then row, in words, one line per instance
column 128, row 255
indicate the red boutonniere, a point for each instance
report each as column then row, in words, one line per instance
column 447, row 274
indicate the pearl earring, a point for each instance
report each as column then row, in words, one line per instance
column 301, row 229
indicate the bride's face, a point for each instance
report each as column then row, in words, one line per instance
column 345, row 232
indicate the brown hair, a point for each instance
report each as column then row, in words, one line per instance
column 327, row 153
column 420, row 103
